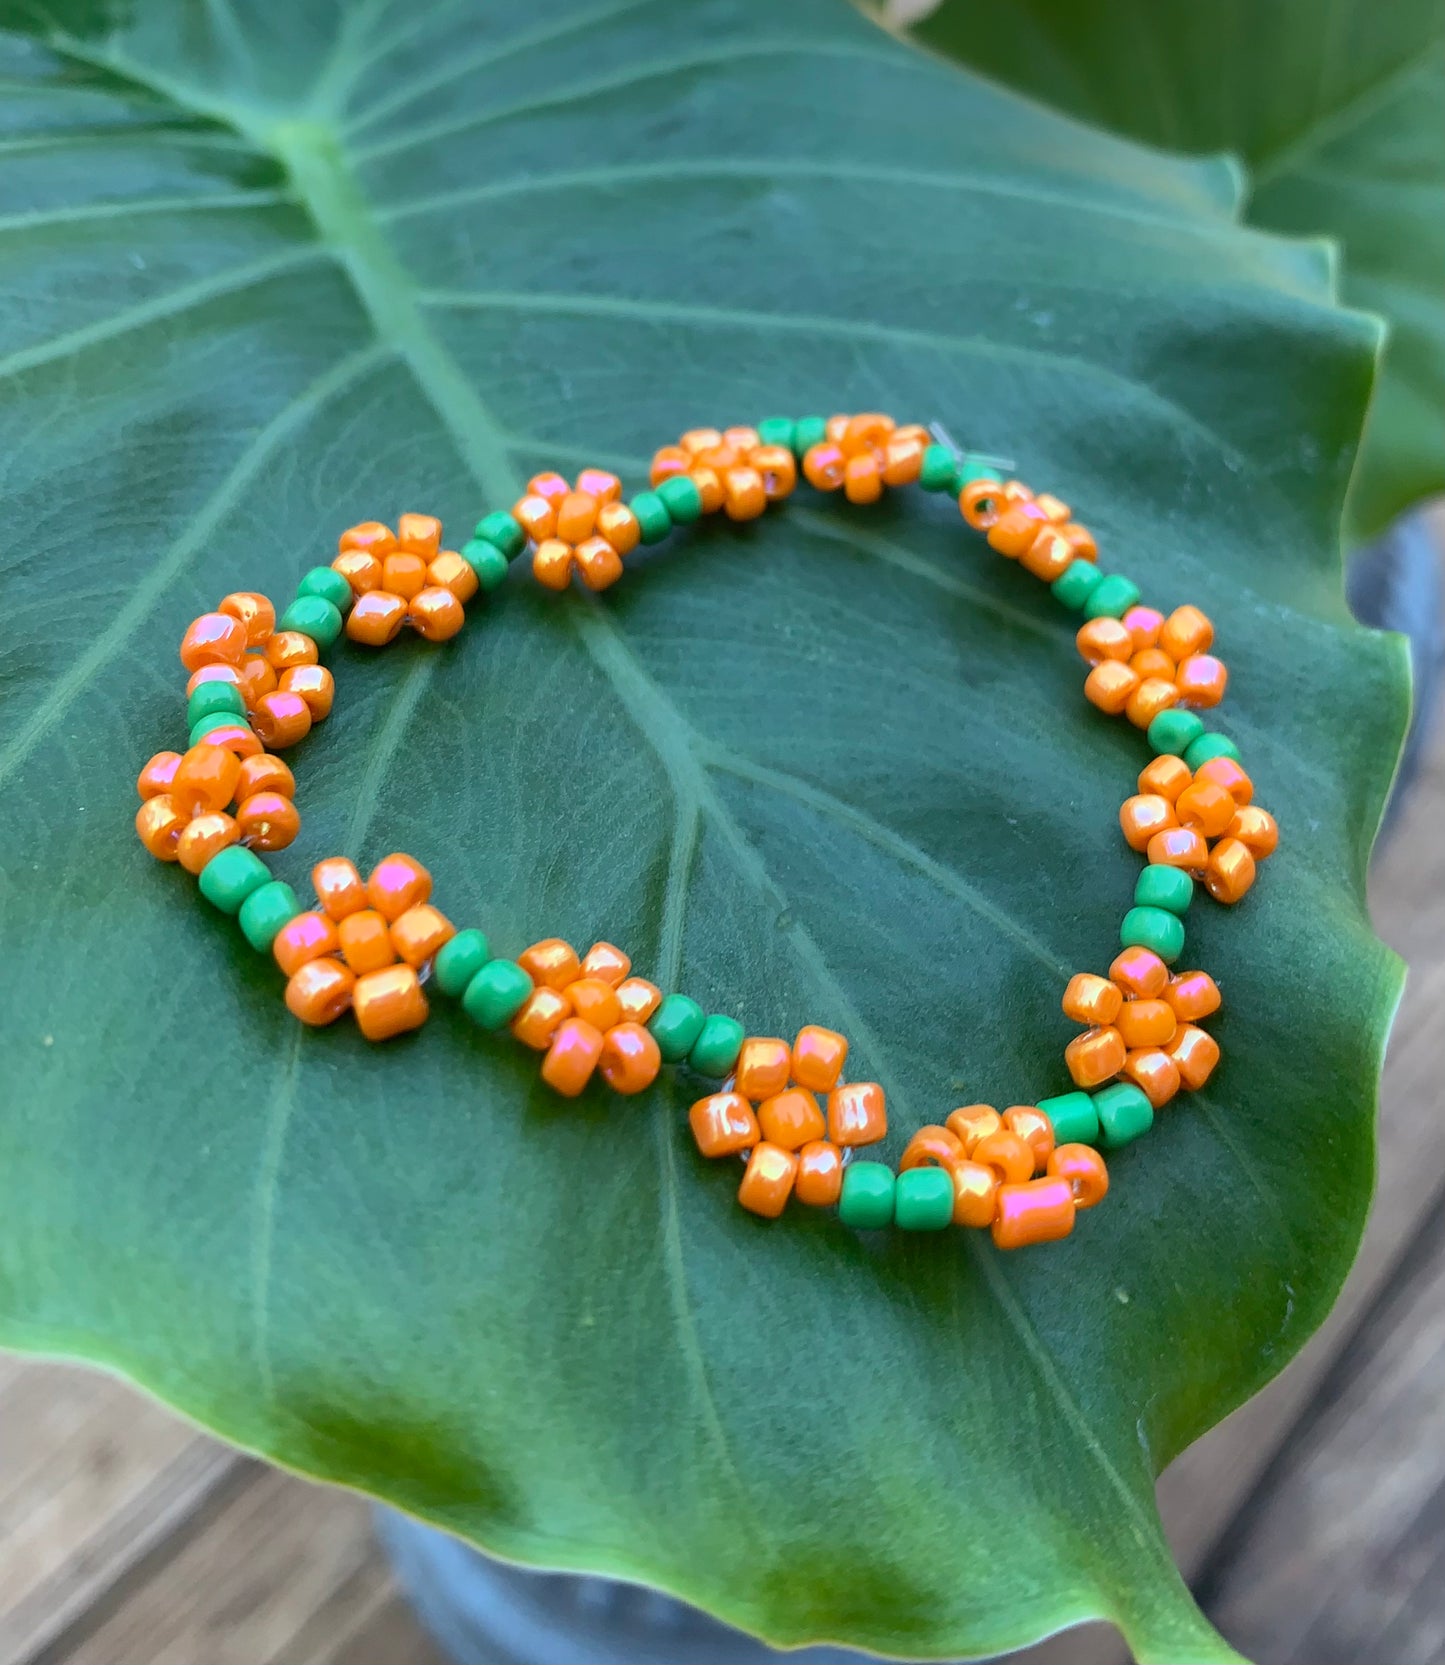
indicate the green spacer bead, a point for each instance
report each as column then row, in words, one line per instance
column 1173, row 730
column 923, row 1199
column 315, row 617
column 458, row 960
column 716, row 1048
column 496, row 993
column 653, row 520
column 1076, row 1121
column 866, row 1200
column 940, row 470
column 1154, row 928
column 1169, row 888
column 683, row 499
column 327, row 583
column 1207, row 746
column 777, row 430
column 808, row 432
column 1111, row 597
column 230, row 876
column 1124, row 1112
column 501, row 529
column 265, row 911
column 675, row 1026
column 1075, row 584
column 218, row 719
column 487, row 561
column 211, row 698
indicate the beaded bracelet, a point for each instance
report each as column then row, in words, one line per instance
column 257, row 686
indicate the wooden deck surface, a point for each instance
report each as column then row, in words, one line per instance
column 1312, row 1523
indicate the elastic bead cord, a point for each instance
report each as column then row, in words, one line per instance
column 372, row 945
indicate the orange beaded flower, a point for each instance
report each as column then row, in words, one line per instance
column 1142, row 1023
column 278, row 674
column 1203, row 821
column 1143, row 663
column 587, row 1014
column 862, row 454
column 403, row 577
column 1037, row 531
column 585, row 528
column 770, row 1109
column 195, row 805
column 732, row 469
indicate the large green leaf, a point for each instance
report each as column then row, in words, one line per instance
column 1335, row 105
column 267, row 274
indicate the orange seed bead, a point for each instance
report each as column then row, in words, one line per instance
column 617, row 523
column 419, row 535
column 1092, row 1000
column 212, row 673
column 1186, row 631
column 768, row 1180
column 820, row 1174
column 1095, row 1057
column 1038, row 1211
column 1016, row 528
column 777, row 469
column 1146, row 1023
column 762, row 1069
column 307, row 937
column 980, row 503
column 1230, row 872
column 972, row 1122
column 404, row 574
column 1048, row 556
column 599, row 485
column 710, row 487
column 540, row 1017
column 396, row 883
column 159, row 823
column 387, row 1002
column 576, row 516
column 630, row 1058
column 213, row 639
column 1195, row 1053
column 319, row 991
column 1109, row 686
column 824, row 465
column 857, row 1113
column 1153, row 695
column 1155, row 1073
column 1084, row 1169
column 862, row 479
column 595, row 1002
column 203, row 837
column 454, row 572
column 598, row 562
column 723, row 1124
column 1256, row 829
column 205, row 778
column 1102, row 639
column 1165, row 777
column 1010, row 1157
column 791, row 1119
column 237, row 737
column 365, row 941
column 1201, row 680
column 1033, row 1126
column 1140, row 973
column 1178, row 847
column 551, row 963
column 552, row 564
column 419, row 932
column 1205, row 807
column 338, row 887
column 975, row 1194
column 257, row 677
column 435, row 614
column 291, row 647
column 1143, row 625
column 1225, row 772
column 315, row 684
column 280, row 719
column 369, row 535
column 1192, row 995
column 1144, row 815
column 376, row 619
column 638, row 999
column 818, row 1056
column 572, row 1057
column 158, row 774
column 608, row 964
column 537, row 516
column 264, row 773
column 1081, row 541
column 746, row 496
column 360, row 568
column 932, row 1147
column 253, row 610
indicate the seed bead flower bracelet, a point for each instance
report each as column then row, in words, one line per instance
column 371, row 945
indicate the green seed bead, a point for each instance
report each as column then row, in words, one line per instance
column 487, row 561
column 808, row 432
column 1076, row 1121
column 1124, row 1112
column 866, row 1200
column 1173, row 730
column 1154, row 928
column 496, row 993
column 212, row 698
column 675, row 1026
column 653, row 520
column 1111, row 597
column 1169, row 888
column 265, row 911
column 230, row 876
column 315, row 617
column 501, row 529
column 1075, row 584
column 716, row 1048
column 458, row 960
column 327, row 583
column 217, row 719
column 683, row 499
column 923, row 1199
column 777, row 430
column 1210, row 745
column 940, row 470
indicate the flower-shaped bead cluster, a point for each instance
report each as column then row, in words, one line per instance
column 583, row 528
column 366, row 947
column 770, row 1109
column 1203, row 821
column 1144, row 663
column 277, row 673
column 1036, row 530
column 403, row 577
column 588, row 1015
column 734, row 469
column 1143, row 1024
column 862, row 454
column 194, row 806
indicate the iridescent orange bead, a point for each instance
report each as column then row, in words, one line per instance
column 376, row 619
column 791, row 1119
column 159, row 823
column 1178, row 847
column 857, row 1113
column 576, row 516
column 972, row 1122
column 307, row 937
column 1009, row 1156
column 710, row 487
column 1102, row 639
column 212, row 673
column 365, row 941
column 1192, row 995
column 396, row 883
column 552, row 564
column 1084, row 1169
column 369, row 535
column 1016, row 528
column 778, row 470
column 630, row 1058
column 820, row 1174
column 1230, row 872
column 669, row 460
column 537, row 516
column 1195, row 1053
column 419, row 932
column 435, row 614
column 541, row 1015
column 1092, row 1000
column 1049, row 556
column 1256, row 829
column 257, row 676
column 723, row 1124
column 1109, row 686
column 237, row 737
column 1095, row 1057
column 865, row 432
column 1225, row 772
column 862, row 479
column 1152, row 696
column 292, row 647
column 745, row 495
column 598, row 562
column 1201, row 680
column 360, row 568
column 818, row 1057
column 1033, row 1126
column 1154, row 1072
column 404, row 574
column 158, row 774
column 280, row 719
column 338, row 887
column 203, row 837
column 617, row 523
column 768, row 1180
column 387, row 1002
column 1152, row 662
column 600, row 485
column 551, row 963
column 319, row 991
column 1081, row 541
column 932, row 1147
column 451, row 571
column 607, row 963
column 1165, row 777
column 1144, row 625
column 264, row 773
column 595, row 1002
column 213, row 639
column 1140, row 973
column 824, row 465
column 762, row 1069
column 980, row 503
column 205, row 778
column 253, row 610
column 1206, row 808
column 419, row 535
column 1146, row 1023
column 574, row 1054
column 549, row 485
column 638, row 999
column 315, row 684
column 1144, row 815
column 1038, row 1211
column 1186, row 631
column 975, row 1194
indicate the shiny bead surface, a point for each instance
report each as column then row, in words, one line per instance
column 453, row 571
column 213, row 639
column 745, row 496
column 1201, row 680
column 159, row 823
column 158, row 774
column 1033, row 1126
column 619, row 525
column 1178, row 847
column 1256, row 829
column 265, row 911
column 1143, row 625
column 1226, row 772
column 205, row 778
column 637, row 999
column 595, row 1002
column 972, row 1122
column 824, row 466
column 365, row 941
column 1049, row 556
column 264, row 773
column 539, row 1017
column 314, row 684
column 258, row 677
column 1153, row 928
column 1095, row 1057
column 1109, row 686
column 551, row 963
column 716, row 1048
column 1186, row 631
column 1084, row 1169
column 768, row 1180
column 291, row 647
column 552, row 564
column 280, row 719
column 574, row 1054
column 1164, row 887
column 1140, row 973
column 980, row 503
column 598, row 562
column 213, row 697
column 498, row 993
column 313, row 616
column 818, row 1057
column 1124, row 1113
column 1008, row 1155
column 404, row 574
column 396, row 883
column 267, row 821
column 1144, row 815
column 923, row 1199
column 1039, row 1211
column 1192, row 995
column 762, row 1068
column 675, row 1025
column 723, row 1124
column 791, row 1119
column 306, row 937
column 435, row 614
column 458, row 960
column 1146, row 1023
column 419, row 534
column 1102, row 639
column 388, row 1002
column 866, row 1200
column 537, row 516
column 369, row 535
column 338, row 887
column 630, row 1059
column 319, row 991
column 1073, row 1117
column 1195, row 1053
column 1153, row 662
column 932, row 1147
column 975, row 1194
column 376, row 619
column 1154, row 1072
column 820, row 1174
column 230, row 876
column 606, row 963
column 228, row 674
column 857, row 1114
column 254, row 611
column 1166, row 777
column 360, row 568
column 420, row 932
column 1150, row 700
column 203, row 836
column 1230, row 872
